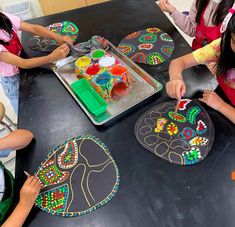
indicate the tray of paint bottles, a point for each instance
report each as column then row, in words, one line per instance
column 106, row 81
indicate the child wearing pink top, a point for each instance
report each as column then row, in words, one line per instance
column 10, row 50
column 204, row 19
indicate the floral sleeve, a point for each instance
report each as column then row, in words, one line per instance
column 208, row 53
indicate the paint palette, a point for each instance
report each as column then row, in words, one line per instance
column 77, row 177
column 105, row 73
column 184, row 137
column 105, row 76
column 150, row 46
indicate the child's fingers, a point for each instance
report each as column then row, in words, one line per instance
column 183, row 90
column 29, row 180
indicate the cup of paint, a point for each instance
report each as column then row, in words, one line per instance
column 107, row 61
column 122, row 74
column 103, row 83
column 97, row 54
column 91, row 71
column 119, row 90
column 81, row 64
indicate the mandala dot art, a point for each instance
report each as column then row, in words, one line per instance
column 172, row 128
column 154, row 49
column 187, row 133
column 145, row 46
column 184, row 137
column 183, row 103
column 133, row 35
column 167, row 50
column 148, row 38
column 51, row 174
column 192, row 114
column 69, row 157
column 201, row 127
column 166, row 37
column 160, row 124
column 55, row 199
column 90, row 181
column 138, row 57
column 193, row 156
column 177, row 116
column 67, row 28
column 199, row 141
column 153, row 30
column 154, row 58
column 126, row 48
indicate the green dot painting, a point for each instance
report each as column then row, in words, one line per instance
column 42, row 44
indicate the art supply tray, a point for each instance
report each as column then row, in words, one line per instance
column 142, row 88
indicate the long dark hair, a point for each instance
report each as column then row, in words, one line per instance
column 227, row 56
column 6, row 25
column 221, row 11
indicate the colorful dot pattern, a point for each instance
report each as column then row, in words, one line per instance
column 55, row 199
column 58, row 200
column 184, row 137
column 150, row 46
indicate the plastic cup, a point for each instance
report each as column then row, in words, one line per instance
column 97, row 54
column 81, row 64
column 107, row 61
column 121, row 73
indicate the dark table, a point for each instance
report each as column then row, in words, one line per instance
column 153, row 192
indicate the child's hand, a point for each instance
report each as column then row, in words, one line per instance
column 59, row 53
column 176, row 88
column 65, row 39
column 29, row 192
column 166, row 6
column 212, row 66
column 212, row 100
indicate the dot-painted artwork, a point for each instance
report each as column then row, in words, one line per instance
column 77, row 177
column 150, row 46
column 43, row 44
column 182, row 138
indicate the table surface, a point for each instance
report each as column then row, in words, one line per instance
column 152, row 191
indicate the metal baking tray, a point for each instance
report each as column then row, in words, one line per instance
column 143, row 87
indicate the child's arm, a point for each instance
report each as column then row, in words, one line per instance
column 187, row 23
column 215, row 102
column 176, row 87
column 16, row 140
column 28, row 195
column 59, row 53
column 42, row 31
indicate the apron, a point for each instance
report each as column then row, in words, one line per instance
column 227, row 83
column 14, row 45
column 6, row 202
column 205, row 34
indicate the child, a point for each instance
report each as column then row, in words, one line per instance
column 10, row 50
column 28, row 195
column 221, row 51
column 204, row 19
